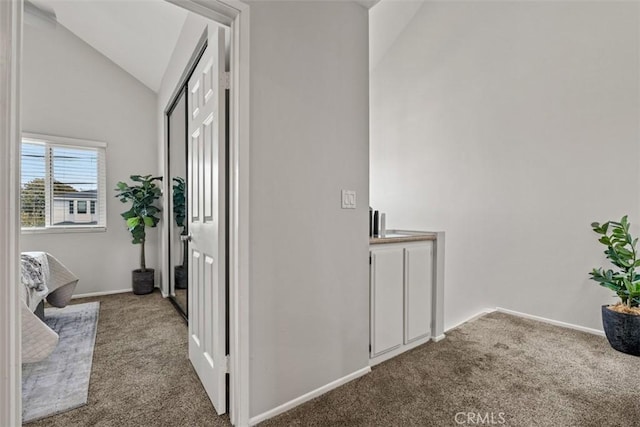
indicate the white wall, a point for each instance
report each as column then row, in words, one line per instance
column 309, row 139
column 511, row 126
column 309, row 318
column 69, row 89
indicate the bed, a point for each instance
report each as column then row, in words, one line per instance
column 42, row 277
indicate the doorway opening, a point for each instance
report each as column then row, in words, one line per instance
column 197, row 167
column 234, row 14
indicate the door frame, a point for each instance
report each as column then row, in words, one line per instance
column 234, row 13
column 10, row 129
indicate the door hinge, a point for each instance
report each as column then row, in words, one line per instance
column 225, row 365
column 226, row 80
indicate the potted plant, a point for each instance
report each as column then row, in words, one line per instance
column 142, row 195
column 179, row 215
column 621, row 321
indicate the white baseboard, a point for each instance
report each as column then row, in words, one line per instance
column 99, row 294
column 306, row 397
column 550, row 321
column 470, row 319
column 438, row 338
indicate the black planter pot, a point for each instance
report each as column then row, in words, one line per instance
column 180, row 275
column 142, row 281
column 622, row 330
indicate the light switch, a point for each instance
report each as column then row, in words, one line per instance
column 348, row 199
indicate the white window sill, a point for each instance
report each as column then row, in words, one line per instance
column 56, row 230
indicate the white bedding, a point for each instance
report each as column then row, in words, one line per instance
column 38, row 340
column 30, row 295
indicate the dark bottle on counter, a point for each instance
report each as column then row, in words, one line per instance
column 370, row 221
column 376, row 223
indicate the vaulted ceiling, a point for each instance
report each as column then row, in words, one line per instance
column 139, row 36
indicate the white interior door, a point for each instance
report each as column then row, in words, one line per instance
column 206, row 213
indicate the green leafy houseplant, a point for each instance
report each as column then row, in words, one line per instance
column 179, row 202
column 142, row 195
column 179, row 215
column 180, row 209
column 621, row 251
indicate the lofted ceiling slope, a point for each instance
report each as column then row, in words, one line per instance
column 139, row 36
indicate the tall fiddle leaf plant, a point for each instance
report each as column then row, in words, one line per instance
column 143, row 195
column 621, row 251
column 180, row 210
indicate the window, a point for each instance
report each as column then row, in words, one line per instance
column 62, row 178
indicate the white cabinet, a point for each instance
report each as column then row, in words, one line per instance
column 418, row 286
column 387, row 300
column 402, row 291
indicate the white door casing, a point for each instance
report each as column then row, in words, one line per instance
column 10, row 320
column 206, row 218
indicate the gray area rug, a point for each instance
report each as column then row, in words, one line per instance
column 141, row 375
column 61, row 381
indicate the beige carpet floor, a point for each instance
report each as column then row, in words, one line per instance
column 524, row 372
column 500, row 367
column 141, row 373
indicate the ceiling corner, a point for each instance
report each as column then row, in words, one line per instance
column 367, row 4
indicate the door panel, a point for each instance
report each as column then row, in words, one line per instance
column 207, row 333
column 386, row 300
column 418, row 265
column 194, row 182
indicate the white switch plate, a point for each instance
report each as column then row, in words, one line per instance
column 348, row 199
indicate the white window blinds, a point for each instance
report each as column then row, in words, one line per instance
column 63, row 183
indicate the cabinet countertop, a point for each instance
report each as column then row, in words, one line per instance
column 400, row 236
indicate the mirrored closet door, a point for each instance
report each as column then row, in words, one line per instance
column 177, row 150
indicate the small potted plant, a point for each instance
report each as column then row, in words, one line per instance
column 179, row 215
column 621, row 321
column 142, row 195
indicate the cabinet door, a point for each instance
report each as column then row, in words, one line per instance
column 386, row 299
column 418, row 274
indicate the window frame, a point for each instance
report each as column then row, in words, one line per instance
column 65, row 142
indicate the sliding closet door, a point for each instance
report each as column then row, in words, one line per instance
column 177, row 149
